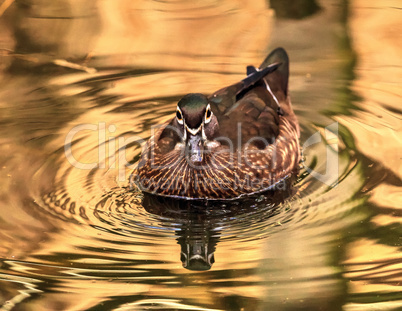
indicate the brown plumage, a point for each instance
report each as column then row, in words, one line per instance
column 240, row 140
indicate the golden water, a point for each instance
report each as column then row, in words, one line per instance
column 79, row 239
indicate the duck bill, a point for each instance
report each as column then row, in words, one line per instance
column 195, row 148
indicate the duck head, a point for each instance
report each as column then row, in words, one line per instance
column 197, row 124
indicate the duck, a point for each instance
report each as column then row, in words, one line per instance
column 241, row 140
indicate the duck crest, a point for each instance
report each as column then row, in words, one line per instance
column 193, row 108
column 242, row 139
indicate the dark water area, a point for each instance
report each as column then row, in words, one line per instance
column 82, row 84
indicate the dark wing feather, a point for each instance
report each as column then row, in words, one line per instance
column 248, row 107
column 250, row 70
column 225, row 98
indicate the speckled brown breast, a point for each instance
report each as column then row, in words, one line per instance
column 223, row 175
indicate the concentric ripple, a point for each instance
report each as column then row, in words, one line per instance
column 101, row 197
column 83, row 84
column 102, row 232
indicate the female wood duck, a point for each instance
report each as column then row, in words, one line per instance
column 240, row 140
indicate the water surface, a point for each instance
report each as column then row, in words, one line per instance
column 76, row 236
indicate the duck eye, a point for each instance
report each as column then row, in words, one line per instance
column 208, row 114
column 179, row 116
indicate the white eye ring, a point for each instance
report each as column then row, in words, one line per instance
column 208, row 114
column 179, row 116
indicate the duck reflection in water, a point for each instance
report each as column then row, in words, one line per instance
column 197, row 230
column 198, row 243
column 200, row 223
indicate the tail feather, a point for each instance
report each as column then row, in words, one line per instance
column 280, row 56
